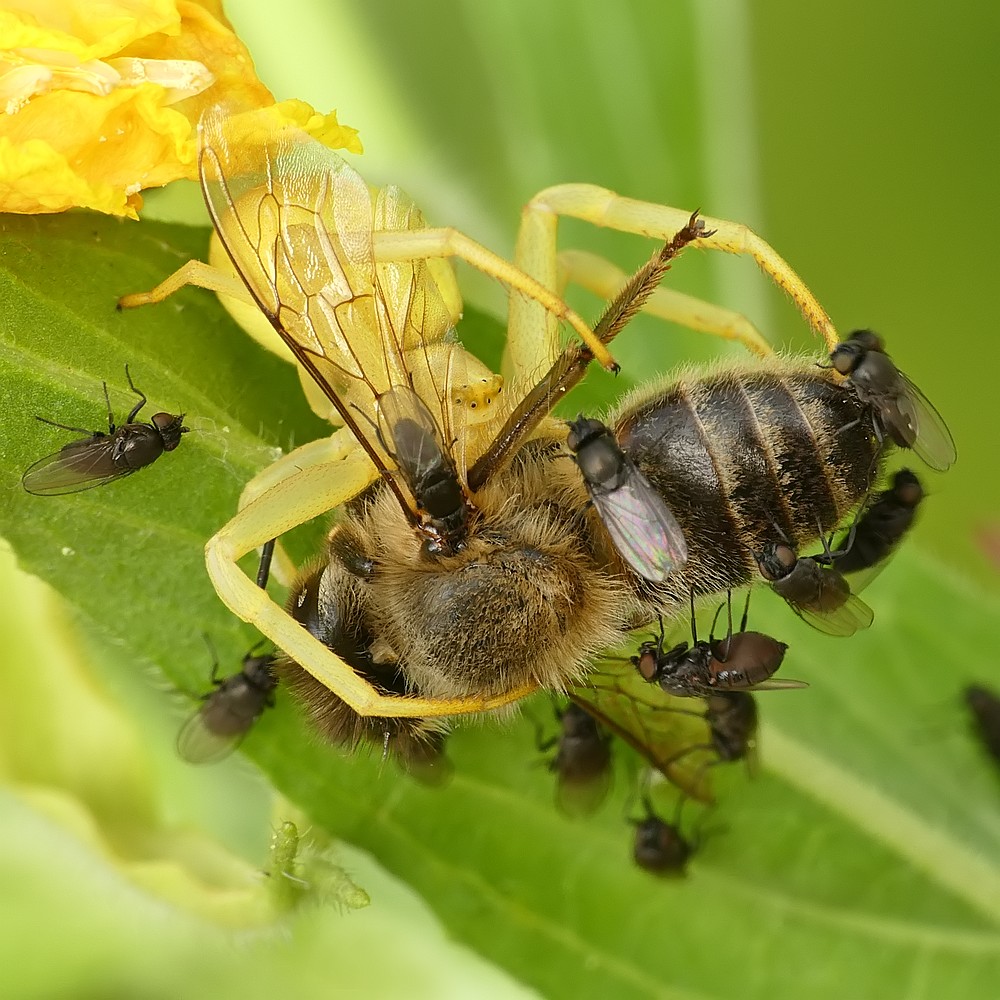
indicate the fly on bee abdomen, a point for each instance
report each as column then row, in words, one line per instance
column 746, row 456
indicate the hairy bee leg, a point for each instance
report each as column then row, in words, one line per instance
column 536, row 247
column 196, row 273
column 297, row 498
column 425, row 244
column 604, row 279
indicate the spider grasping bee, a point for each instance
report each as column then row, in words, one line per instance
column 466, row 567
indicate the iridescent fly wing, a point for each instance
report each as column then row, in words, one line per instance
column 641, row 525
column 670, row 733
column 79, row 465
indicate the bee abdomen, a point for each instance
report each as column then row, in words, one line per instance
column 746, row 457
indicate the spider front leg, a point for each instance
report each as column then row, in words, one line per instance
column 536, row 254
column 293, row 500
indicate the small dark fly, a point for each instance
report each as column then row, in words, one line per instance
column 228, row 713
column 732, row 723
column 814, row 590
column 642, row 527
column 743, row 661
column 732, row 728
column 660, row 847
column 885, row 520
column 408, row 431
column 902, row 412
column 104, row 457
column 582, row 763
column 984, row 705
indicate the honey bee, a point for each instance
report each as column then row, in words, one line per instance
column 466, row 567
column 103, row 457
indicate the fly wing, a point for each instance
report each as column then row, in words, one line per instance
column 300, row 226
column 642, row 527
column 579, row 798
column 198, row 744
column 408, row 431
column 776, row 684
column 669, row 733
column 851, row 616
column 933, row 442
column 80, row 465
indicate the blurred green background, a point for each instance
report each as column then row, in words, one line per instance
column 859, row 140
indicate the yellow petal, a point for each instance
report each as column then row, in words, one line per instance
column 102, row 100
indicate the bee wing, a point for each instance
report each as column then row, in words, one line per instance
column 851, row 616
column 80, row 465
column 670, row 735
column 642, row 527
column 933, row 442
column 299, row 225
column 198, row 744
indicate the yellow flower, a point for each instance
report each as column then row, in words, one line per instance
column 99, row 101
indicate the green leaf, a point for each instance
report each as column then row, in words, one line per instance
column 59, row 284
column 865, row 847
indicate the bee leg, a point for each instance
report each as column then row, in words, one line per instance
column 298, row 498
column 604, row 279
column 194, row 272
column 426, row 244
column 536, row 244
